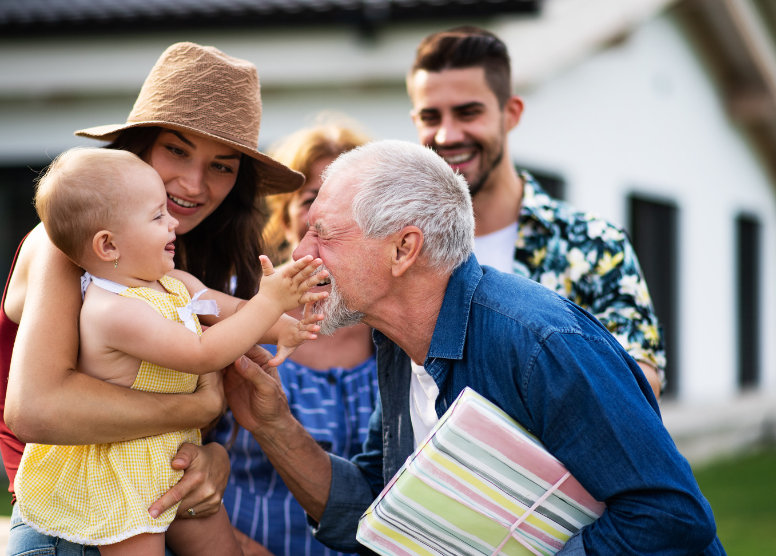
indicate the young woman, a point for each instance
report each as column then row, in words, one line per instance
column 331, row 386
column 196, row 121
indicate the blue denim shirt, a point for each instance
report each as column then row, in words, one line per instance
column 554, row 368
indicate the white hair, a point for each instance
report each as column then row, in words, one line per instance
column 404, row 184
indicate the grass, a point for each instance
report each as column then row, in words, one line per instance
column 741, row 493
column 5, row 497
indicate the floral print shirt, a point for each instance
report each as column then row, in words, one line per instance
column 591, row 262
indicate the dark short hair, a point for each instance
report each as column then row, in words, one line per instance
column 468, row 47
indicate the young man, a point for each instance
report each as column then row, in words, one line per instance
column 460, row 86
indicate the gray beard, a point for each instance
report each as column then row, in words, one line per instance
column 336, row 315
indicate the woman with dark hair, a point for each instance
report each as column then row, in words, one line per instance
column 196, row 121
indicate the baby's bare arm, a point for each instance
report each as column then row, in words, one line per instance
column 146, row 335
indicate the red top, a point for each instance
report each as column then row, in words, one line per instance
column 10, row 446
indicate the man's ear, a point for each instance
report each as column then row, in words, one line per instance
column 406, row 249
column 104, row 246
column 513, row 110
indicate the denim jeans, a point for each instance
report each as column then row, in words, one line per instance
column 26, row 541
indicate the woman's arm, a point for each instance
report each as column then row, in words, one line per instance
column 49, row 402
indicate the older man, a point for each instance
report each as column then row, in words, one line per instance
column 393, row 224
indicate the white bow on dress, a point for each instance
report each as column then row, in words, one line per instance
column 193, row 307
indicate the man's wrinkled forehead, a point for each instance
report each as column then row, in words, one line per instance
column 334, row 201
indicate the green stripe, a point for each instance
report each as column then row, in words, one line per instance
column 451, row 443
column 454, row 513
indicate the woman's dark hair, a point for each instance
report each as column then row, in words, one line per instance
column 228, row 242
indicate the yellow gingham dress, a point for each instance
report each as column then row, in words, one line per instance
column 100, row 494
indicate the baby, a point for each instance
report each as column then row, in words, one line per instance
column 107, row 211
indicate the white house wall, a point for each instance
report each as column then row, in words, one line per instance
column 644, row 117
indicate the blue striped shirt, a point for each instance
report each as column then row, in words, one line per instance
column 334, row 406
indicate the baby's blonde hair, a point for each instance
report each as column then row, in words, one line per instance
column 80, row 193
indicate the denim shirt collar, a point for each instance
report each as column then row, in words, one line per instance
column 450, row 330
column 449, row 335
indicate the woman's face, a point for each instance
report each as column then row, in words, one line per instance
column 300, row 204
column 198, row 174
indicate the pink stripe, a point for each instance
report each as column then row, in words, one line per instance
column 524, row 453
column 541, row 535
column 385, row 543
column 462, row 488
column 523, row 517
column 474, row 508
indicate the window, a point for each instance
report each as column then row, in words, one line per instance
column 748, row 300
column 552, row 183
column 654, row 227
column 17, row 212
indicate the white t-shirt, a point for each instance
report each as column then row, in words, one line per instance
column 497, row 249
column 423, row 395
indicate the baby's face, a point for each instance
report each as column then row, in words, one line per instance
column 147, row 231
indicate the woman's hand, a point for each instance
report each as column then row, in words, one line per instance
column 249, row 546
column 205, row 474
column 210, row 388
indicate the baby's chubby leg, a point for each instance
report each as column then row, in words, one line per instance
column 205, row 536
column 146, row 543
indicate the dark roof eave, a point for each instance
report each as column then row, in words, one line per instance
column 367, row 16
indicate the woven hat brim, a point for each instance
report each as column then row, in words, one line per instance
column 275, row 177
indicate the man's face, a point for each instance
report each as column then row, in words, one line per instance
column 353, row 261
column 458, row 115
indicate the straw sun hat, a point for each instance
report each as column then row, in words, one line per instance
column 200, row 90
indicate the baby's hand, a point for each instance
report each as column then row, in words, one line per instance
column 290, row 286
column 295, row 334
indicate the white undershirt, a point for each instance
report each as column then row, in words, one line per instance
column 497, row 249
column 423, row 395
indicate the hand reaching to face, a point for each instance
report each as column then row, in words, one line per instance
column 290, row 286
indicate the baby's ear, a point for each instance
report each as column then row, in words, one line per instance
column 104, row 246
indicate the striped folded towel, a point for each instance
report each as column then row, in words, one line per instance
column 480, row 484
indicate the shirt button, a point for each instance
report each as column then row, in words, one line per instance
column 332, row 379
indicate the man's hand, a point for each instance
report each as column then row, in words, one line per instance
column 205, row 474
column 258, row 403
column 254, row 393
column 249, row 546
